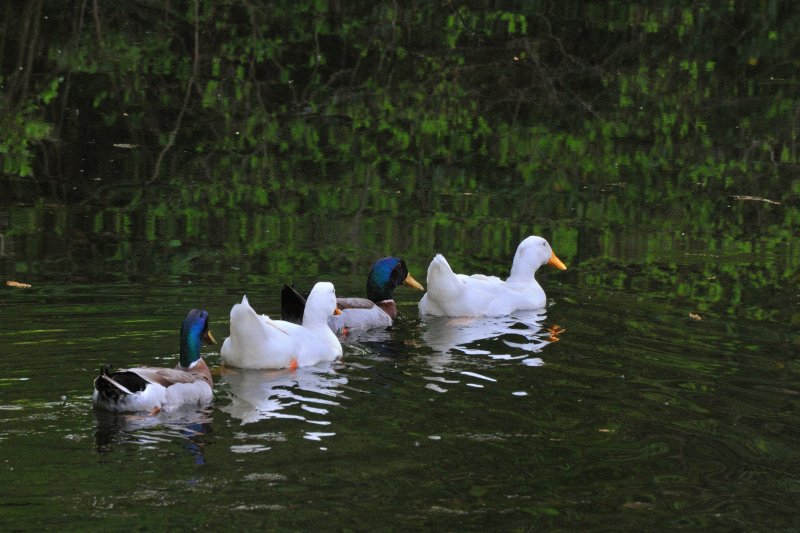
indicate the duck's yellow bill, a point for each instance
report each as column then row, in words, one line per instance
column 208, row 337
column 414, row 284
column 556, row 262
column 337, row 311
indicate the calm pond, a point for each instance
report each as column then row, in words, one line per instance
column 161, row 156
column 669, row 400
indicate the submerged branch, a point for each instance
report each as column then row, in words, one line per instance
column 754, row 199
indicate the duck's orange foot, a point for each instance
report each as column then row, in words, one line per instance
column 293, row 364
column 555, row 330
column 155, row 410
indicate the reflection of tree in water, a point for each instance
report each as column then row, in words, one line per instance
column 187, row 426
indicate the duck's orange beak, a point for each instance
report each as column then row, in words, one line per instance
column 208, row 338
column 337, row 311
column 556, row 262
column 414, row 284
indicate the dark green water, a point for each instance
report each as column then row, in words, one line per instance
column 161, row 156
column 638, row 417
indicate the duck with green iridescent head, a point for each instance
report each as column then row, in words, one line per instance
column 151, row 389
column 378, row 309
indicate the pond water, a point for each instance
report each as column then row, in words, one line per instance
column 658, row 390
column 161, row 156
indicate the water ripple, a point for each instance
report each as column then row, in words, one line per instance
column 491, row 337
column 259, row 395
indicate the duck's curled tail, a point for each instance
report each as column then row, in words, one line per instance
column 115, row 386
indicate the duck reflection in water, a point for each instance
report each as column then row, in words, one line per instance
column 186, row 426
column 515, row 336
column 284, row 393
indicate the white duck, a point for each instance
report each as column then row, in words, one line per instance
column 451, row 294
column 257, row 341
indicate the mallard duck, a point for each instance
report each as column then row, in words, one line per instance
column 451, row 294
column 146, row 388
column 260, row 342
column 378, row 309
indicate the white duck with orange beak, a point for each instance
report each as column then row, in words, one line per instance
column 459, row 295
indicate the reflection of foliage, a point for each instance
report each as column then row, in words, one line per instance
column 619, row 131
column 711, row 263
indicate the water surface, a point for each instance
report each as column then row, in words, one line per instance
column 653, row 392
column 147, row 169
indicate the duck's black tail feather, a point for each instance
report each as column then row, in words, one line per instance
column 293, row 304
column 116, row 385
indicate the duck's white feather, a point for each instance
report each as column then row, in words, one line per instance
column 361, row 313
column 451, row 294
column 257, row 341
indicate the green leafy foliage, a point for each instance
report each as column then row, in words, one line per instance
column 570, row 90
column 614, row 119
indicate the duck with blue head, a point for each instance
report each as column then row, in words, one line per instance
column 378, row 309
column 152, row 389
